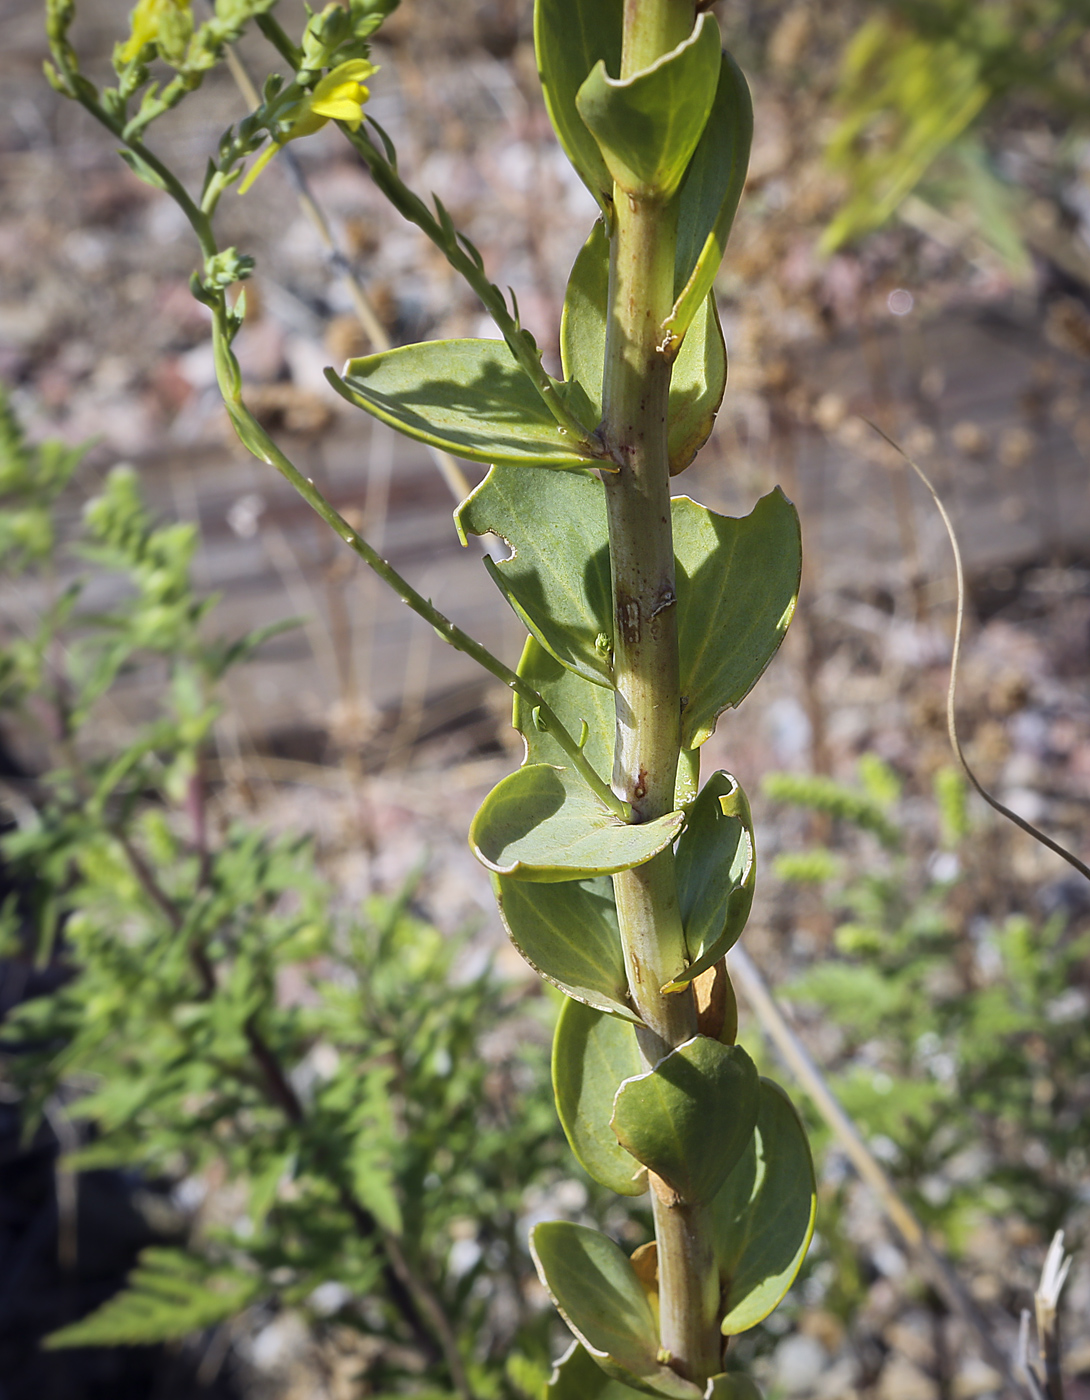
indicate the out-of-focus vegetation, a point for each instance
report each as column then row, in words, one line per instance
column 342, row 1088
column 963, row 1030
column 917, row 74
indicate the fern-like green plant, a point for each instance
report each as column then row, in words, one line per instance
column 169, row 1294
column 358, row 1125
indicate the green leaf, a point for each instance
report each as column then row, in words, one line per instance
column 764, row 1215
column 595, row 1287
column 374, row 1188
column 709, row 195
column 571, row 36
column 648, row 125
column 697, row 383
column 141, row 169
column 700, row 370
column 577, row 1376
column 557, row 579
column 822, row 794
column 732, row 1385
column 593, row 1054
column 737, row 585
column 568, row 933
column 544, row 823
column 715, row 871
column 574, row 701
column 468, row 397
column 170, row 1293
column 690, row 1118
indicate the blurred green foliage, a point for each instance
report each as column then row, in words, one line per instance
column 915, row 77
column 221, row 1020
column 964, row 1038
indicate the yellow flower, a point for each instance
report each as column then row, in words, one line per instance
column 340, row 95
column 149, row 17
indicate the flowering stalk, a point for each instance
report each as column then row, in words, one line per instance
column 618, row 877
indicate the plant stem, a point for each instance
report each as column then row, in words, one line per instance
column 648, row 738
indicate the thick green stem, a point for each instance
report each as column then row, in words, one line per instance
column 648, row 738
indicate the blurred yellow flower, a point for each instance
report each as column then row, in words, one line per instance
column 146, row 22
column 340, row 95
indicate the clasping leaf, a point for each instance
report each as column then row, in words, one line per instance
column 715, row 874
column 709, row 195
column 468, row 397
column 647, row 126
column 593, row 1054
column 690, row 1118
column 764, row 1215
column 567, row 932
column 557, row 579
column 544, row 823
column 699, row 375
column 593, row 1284
column 737, row 585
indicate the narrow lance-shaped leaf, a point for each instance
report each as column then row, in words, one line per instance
column 468, row 397
column 648, row 125
column 593, row 1054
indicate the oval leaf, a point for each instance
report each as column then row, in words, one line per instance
column 700, row 370
column 737, row 586
column 715, row 871
column 595, row 1287
column 732, row 1385
column 592, row 1055
column 544, row 823
column 557, row 579
column 690, row 1118
column 568, row 933
column 709, row 195
column 468, row 397
column 574, row 701
column 648, row 125
column 577, row 1376
column 570, row 37
column 763, row 1217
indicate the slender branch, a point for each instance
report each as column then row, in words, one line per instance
column 366, row 314
column 955, row 663
column 466, row 261
column 258, row 441
column 171, row 184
